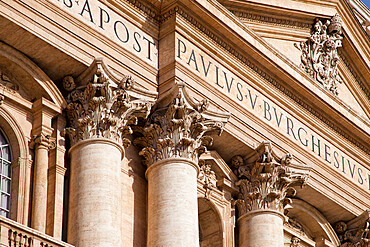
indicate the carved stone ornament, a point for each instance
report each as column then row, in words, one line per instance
column 102, row 106
column 208, row 177
column 179, row 127
column 356, row 232
column 7, row 83
column 266, row 182
column 293, row 223
column 294, row 242
column 43, row 140
column 319, row 53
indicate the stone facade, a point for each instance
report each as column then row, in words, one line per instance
column 184, row 123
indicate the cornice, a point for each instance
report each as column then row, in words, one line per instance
column 274, row 20
column 179, row 11
column 347, row 61
column 146, row 9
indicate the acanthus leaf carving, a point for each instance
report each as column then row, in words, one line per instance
column 267, row 182
column 319, row 53
column 102, row 106
column 179, row 128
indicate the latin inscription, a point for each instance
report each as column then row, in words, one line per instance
column 269, row 112
column 109, row 23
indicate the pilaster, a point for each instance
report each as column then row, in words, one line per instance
column 43, row 113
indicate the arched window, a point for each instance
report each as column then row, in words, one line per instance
column 5, row 175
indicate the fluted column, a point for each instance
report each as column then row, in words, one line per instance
column 41, row 143
column 265, row 187
column 100, row 111
column 173, row 140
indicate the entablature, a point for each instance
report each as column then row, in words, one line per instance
column 264, row 106
column 288, row 82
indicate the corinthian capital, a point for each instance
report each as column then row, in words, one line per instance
column 266, row 182
column 179, row 127
column 43, row 140
column 102, row 106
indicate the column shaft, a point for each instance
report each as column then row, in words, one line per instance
column 95, row 194
column 261, row 229
column 172, row 204
column 39, row 204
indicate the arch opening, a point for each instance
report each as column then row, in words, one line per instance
column 210, row 225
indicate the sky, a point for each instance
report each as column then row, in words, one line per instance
column 366, row 2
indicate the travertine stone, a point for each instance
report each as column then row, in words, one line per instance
column 42, row 145
column 261, row 228
column 95, row 201
column 172, row 203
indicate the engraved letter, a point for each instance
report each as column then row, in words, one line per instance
column 192, row 58
column 87, row 8
column 115, row 31
column 102, row 13
column 138, row 48
column 179, row 50
column 266, row 110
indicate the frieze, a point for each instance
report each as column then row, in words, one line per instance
column 255, row 17
column 263, row 74
column 258, row 104
column 116, row 27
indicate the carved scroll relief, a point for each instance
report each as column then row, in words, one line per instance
column 319, row 53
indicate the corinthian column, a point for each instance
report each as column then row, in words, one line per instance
column 173, row 140
column 100, row 112
column 265, row 187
